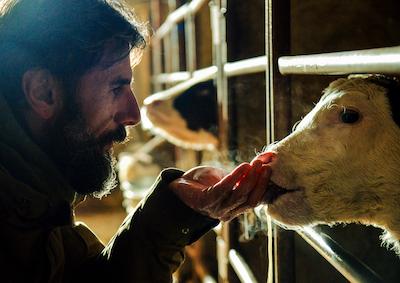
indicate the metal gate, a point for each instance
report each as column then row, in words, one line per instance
column 168, row 82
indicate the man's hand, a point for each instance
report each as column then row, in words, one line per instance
column 212, row 192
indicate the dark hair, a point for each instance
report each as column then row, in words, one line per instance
column 66, row 37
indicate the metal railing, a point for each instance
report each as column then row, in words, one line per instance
column 349, row 266
column 177, row 16
column 380, row 60
column 377, row 60
column 241, row 268
column 242, row 67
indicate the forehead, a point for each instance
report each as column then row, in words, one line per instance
column 102, row 73
column 354, row 91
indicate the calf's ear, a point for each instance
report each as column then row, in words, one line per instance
column 392, row 85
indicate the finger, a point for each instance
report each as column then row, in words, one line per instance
column 242, row 189
column 246, row 184
column 226, row 185
column 236, row 175
column 256, row 195
column 265, row 157
column 219, row 192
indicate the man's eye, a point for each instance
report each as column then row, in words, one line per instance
column 118, row 90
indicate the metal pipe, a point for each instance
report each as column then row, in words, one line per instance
column 177, row 16
column 174, row 37
column 167, row 54
column 269, row 126
column 175, row 77
column 156, row 47
column 199, row 76
column 241, row 268
column 190, row 43
column 218, row 30
column 247, row 66
column 242, row 67
column 378, row 60
column 349, row 266
column 150, row 145
column 157, row 64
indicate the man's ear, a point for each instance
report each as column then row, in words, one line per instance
column 42, row 92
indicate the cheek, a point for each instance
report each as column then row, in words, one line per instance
column 98, row 115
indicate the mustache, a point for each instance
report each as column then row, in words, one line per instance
column 118, row 136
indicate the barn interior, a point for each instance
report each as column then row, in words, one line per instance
column 219, row 80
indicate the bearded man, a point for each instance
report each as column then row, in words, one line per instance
column 65, row 98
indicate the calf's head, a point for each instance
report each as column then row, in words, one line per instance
column 342, row 161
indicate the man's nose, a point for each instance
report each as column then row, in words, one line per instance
column 129, row 112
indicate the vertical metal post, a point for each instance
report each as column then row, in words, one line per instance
column 277, row 26
column 269, row 124
column 190, row 36
column 156, row 54
column 222, row 244
column 166, row 41
column 174, row 37
column 218, row 29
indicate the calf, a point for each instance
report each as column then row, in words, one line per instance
column 342, row 161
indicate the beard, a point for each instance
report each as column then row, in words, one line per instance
column 80, row 156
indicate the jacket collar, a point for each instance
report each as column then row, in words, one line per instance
column 29, row 179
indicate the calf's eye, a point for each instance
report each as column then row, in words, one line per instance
column 349, row 116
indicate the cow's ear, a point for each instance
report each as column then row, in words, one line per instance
column 42, row 92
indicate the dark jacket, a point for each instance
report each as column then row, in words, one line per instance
column 40, row 242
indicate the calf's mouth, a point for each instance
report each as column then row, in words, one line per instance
column 274, row 192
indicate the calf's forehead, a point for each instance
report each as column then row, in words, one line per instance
column 358, row 93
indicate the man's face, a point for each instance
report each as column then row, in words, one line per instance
column 94, row 118
column 106, row 101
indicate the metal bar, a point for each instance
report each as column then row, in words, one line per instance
column 156, row 47
column 242, row 67
column 241, row 268
column 190, row 43
column 349, row 266
column 222, row 233
column 175, row 49
column 278, row 124
column 150, row 145
column 200, row 76
column 218, row 29
column 177, row 16
column 175, row 77
column 269, row 127
column 167, row 54
column 174, row 37
column 247, row 66
column 378, row 60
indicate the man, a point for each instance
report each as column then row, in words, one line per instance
column 65, row 98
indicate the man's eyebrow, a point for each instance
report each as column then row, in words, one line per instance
column 121, row 81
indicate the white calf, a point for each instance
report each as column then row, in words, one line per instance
column 342, row 161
